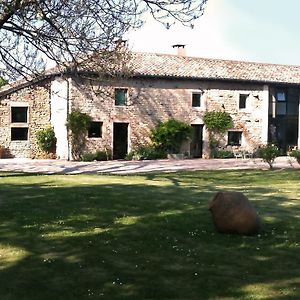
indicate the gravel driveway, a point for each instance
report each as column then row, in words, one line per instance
column 131, row 167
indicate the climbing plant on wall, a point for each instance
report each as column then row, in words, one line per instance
column 217, row 122
column 78, row 124
column 169, row 135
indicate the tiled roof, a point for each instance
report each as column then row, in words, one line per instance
column 174, row 66
column 163, row 65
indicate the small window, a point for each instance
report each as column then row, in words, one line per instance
column 196, row 100
column 243, row 101
column 95, row 130
column 19, row 134
column 234, row 138
column 121, row 97
column 280, row 96
column 280, row 103
column 19, row 114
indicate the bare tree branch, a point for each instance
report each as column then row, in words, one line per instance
column 67, row 31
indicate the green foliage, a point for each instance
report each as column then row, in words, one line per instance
column 3, row 82
column 103, row 155
column 146, row 152
column 88, row 156
column 296, row 154
column 46, row 139
column 268, row 153
column 168, row 136
column 78, row 123
column 217, row 121
column 98, row 156
column 219, row 153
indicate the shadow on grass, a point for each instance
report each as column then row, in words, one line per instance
column 145, row 237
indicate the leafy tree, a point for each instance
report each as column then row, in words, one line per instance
column 268, row 153
column 32, row 31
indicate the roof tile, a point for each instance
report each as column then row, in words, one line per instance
column 162, row 65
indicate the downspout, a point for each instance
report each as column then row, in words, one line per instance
column 299, row 123
column 265, row 115
column 68, row 112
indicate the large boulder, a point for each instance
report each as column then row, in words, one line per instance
column 233, row 213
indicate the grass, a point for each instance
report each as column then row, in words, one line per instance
column 145, row 237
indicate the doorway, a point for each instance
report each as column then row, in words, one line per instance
column 196, row 146
column 120, row 140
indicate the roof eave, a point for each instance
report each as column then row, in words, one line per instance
column 185, row 78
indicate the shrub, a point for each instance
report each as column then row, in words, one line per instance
column 169, row 136
column 102, row 155
column 98, row 156
column 296, row 154
column 268, row 153
column 88, row 157
column 146, row 152
column 46, row 139
column 217, row 153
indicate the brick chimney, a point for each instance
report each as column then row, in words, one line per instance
column 180, row 49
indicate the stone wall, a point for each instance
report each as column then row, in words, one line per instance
column 154, row 100
column 221, row 96
column 149, row 102
column 36, row 98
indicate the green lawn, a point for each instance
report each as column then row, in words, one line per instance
column 146, row 237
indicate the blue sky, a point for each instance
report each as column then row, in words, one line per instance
column 251, row 30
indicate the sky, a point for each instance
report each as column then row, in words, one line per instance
column 265, row 31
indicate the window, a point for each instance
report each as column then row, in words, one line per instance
column 234, row 138
column 19, row 123
column 196, row 100
column 95, row 130
column 280, row 96
column 243, row 101
column 19, row 134
column 19, row 114
column 121, row 97
column 281, row 103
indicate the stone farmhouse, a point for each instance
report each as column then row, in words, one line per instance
column 263, row 100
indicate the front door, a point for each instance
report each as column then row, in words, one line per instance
column 197, row 141
column 120, row 140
